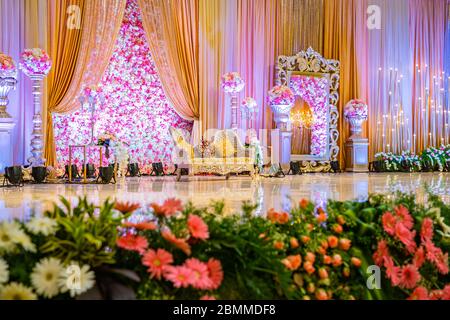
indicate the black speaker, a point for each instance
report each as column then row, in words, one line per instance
column 90, row 171
column 294, row 168
column 75, row 173
column 13, row 176
column 157, row 169
column 106, row 174
column 133, row 170
column 335, row 167
column 39, row 174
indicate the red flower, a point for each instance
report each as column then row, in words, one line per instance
column 426, row 232
column 437, row 257
column 179, row 243
column 406, row 237
column 206, row 297
column 419, row 257
column 442, row 263
column 356, row 262
column 345, row 244
column 333, row 241
column 168, row 208
column 409, row 276
column 277, row 217
column 446, row 292
column 382, row 253
column 197, row 227
column 126, row 207
column 132, row 243
column 145, row 225
column 179, row 276
column 215, row 273
column 392, row 271
column 157, row 261
column 389, row 222
column 404, row 217
column 337, row 260
column 420, row 293
column 304, row 204
column 200, row 270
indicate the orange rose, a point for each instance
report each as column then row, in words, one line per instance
column 338, row 228
column 311, row 257
column 346, row 272
column 345, row 244
column 321, row 217
column 356, row 262
column 311, row 287
column 323, row 273
column 283, row 218
column 294, row 243
column 304, row 204
column 272, row 215
column 321, row 250
column 333, row 241
column 279, row 245
column 292, row 262
column 305, row 239
column 324, row 244
column 337, row 260
column 327, row 260
column 309, row 268
column 310, row 227
column 321, row 295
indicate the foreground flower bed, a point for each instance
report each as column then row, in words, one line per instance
column 176, row 251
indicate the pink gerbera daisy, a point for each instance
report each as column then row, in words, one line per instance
column 197, row 227
column 206, row 297
column 181, row 277
column 420, row 293
column 179, row 243
column 404, row 217
column 392, row 271
column 419, row 257
column 381, row 253
column 132, row 243
column 426, row 232
column 215, row 273
column 409, row 276
column 406, row 237
column 157, row 261
column 446, row 292
column 200, row 271
column 389, row 222
column 144, row 226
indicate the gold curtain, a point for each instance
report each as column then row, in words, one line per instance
column 339, row 43
column 171, row 27
column 102, row 20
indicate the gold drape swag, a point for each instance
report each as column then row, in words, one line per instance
column 80, row 57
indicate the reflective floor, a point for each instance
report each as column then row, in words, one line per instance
column 267, row 193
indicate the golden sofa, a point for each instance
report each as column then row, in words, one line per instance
column 224, row 156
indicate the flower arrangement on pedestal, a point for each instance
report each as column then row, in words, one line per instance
column 356, row 112
column 232, row 82
column 92, row 93
column 35, row 62
column 7, row 66
column 281, row 95
column 249, row 106
column 8, row 76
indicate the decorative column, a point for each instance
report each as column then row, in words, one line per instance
column 232, row 84
column 281, row 100
column 36, row 64
column 8, row 81
column 356, row 147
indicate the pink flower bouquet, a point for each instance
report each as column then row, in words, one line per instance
column 35, row 62
column 7, row 66
column 281, row 95
column 92, row 93
column 249, row 104
column 232, row 82
column 356, row 109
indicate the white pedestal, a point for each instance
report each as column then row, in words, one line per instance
column 357, row 155
column 6, row 142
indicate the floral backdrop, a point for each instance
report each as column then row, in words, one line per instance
column 136, row 109
column 314, row 91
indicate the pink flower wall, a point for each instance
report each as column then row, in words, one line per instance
column 136, row 109
column 314, row 91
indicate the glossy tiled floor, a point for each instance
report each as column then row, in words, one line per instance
column 267, row 193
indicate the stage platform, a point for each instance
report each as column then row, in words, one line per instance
column 278, row 193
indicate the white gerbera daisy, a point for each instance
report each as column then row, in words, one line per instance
column 17, row 291
column 76, row 279
column 7, row 235
column 4, row 272
column 24, row 240
column 44, row 226
column 45, row 277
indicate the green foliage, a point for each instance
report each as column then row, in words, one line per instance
column 86, row 233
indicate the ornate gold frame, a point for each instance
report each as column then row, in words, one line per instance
column 312, row 63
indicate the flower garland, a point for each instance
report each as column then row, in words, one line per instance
column 232, row 82
column 280, row 95
column 35, row 62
